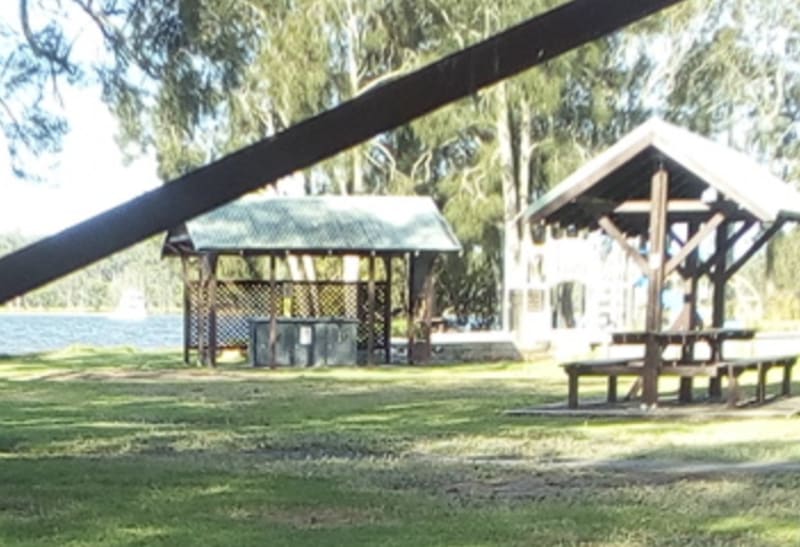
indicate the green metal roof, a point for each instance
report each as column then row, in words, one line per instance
column 262, row 223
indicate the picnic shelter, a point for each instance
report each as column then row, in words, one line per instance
column 663, row 193
column 376, row 229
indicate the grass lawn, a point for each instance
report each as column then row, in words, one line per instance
column 126, row 448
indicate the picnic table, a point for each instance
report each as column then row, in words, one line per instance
column 686, row 338
column 715, row 365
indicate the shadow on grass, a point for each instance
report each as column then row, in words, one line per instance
column 215, row 499
column 84, row 359
column 361, row 456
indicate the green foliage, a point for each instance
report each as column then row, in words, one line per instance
column 195, row 80
column 98, row 287
column 32, row 62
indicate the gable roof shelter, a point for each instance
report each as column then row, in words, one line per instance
column 384, row 227
column 614, row 183
column 263, row 224
column 655, row 179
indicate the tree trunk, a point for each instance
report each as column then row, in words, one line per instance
column 513, row 141
column 351, row 47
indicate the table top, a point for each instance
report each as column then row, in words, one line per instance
column 682, row 336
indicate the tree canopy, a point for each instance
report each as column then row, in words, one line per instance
column 194, row 80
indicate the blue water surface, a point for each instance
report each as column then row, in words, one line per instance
column 27, row 333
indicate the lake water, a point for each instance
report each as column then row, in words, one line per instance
column 25, row 333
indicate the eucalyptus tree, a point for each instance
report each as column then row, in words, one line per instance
column 737, row 77
column 196, row 79
column 488, row 157
column 217, row 75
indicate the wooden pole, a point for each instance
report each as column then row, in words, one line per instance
column 718, row 278
column 387, row 311
column 718, row 304
column 371, row 311
column 273, row 311
column 429, row 287
column 658, row 234
column 690, row 312
column 187, row 309
column 412, row 308
column 212, row 308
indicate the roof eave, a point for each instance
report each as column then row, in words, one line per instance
column 592, row 172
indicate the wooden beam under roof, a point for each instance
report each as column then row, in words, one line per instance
column 694, row 242
column 383, row 108
column 643, row 206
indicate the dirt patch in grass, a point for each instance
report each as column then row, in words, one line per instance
column 566, row 483
column 128, row 375
column 310, row 517
column 548, row 486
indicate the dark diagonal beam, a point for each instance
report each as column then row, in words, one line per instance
column 710, row 262
column 611, row 229
column 383, row 108
column 760, row 241
column 694, row 242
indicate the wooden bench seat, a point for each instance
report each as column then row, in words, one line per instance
column 730, row 368
column 600, row 367
column 733, row 368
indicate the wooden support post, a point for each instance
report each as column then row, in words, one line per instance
column 786, row 384
column 658, row 234
column 371, row 312
column 412, row 308
column 211, row 271
column 429, row 294
column 733, row 387
column 761, row 385
column 689, row 312
column 612, row 389
column 572, row 391
column 187, row 309
column 387, row 311
column 273, row 311
column 718, row 303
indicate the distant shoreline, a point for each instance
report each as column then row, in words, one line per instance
column 67, row 312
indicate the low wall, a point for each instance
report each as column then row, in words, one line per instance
column 468, row 347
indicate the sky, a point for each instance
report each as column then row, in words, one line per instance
column 87, row 177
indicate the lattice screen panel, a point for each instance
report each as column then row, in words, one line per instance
column 238, row 301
